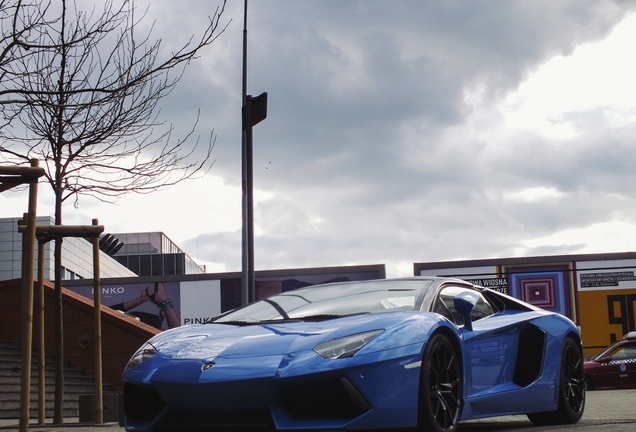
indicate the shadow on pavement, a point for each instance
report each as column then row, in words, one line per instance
column 527, row 426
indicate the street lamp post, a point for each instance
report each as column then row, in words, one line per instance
column 254, row 110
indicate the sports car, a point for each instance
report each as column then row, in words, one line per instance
column 418, row 352
column 614, row 367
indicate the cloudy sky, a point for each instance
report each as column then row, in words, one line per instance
column 400, row 132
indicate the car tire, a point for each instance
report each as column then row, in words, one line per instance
column 571, row 389
column 588, row 383
column 441, row 386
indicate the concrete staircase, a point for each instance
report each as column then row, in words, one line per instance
column 75, row 384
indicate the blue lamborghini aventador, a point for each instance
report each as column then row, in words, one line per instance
column 398, row 353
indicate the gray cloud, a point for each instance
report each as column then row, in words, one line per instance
column 357, row 148
column 372, row 151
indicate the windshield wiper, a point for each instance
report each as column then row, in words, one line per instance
column 318, row 317
column 324, row 317
column 280, row 321
column 267, row 321
column 278, row 308
column 236, row 323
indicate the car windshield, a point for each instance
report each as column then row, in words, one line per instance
column 333, row 300
column 604, row 353
column 617, row 352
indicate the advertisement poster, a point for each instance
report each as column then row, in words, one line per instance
column 165, row 305
column 155, row 303
column 598, row 292
column 268, row 286
column 488, row 276
column 606, row 316
column 608, row 302
column 549, row 287
column 272, row 284
column 200, row 301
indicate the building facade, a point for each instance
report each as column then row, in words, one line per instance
column 77, row 255
column 596, row 291
column 153, row 254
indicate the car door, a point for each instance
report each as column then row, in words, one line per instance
column 487, row 349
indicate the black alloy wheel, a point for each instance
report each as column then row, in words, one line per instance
column 574, row 379
column 440, row 386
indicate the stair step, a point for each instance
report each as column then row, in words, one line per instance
column 75, row 384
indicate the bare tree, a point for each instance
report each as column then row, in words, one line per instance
column 21, row 27
column 79, row 90
column 89, row 110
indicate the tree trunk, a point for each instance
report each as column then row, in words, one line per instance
column 58, row 407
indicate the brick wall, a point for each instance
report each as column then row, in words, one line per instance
column 121, row 334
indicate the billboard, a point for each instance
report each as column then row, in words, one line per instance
column 195, row 299
column 486, row 276
column 607, row 295
column 162, row 305
column 596, row 291
column 545, row 285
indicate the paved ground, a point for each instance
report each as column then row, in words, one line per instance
column 605, row 411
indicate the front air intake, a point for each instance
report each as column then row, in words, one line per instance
column 141, row 404
column 331, row 399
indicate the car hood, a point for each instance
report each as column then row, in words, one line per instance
column 590, row 363
column 209, row 341
column 215, row 353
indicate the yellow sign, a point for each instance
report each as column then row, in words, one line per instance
column 606, row 316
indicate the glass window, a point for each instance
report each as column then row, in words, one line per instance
column 157, row 264
column 625, row 352
column 154, row 239
column 445, row 305
column 168, row 264
column 180, row 264
column 320, row 302
column 145, row 267
column 133, row 263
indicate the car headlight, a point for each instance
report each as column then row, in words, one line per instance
column 146, row 351
column 346, row 346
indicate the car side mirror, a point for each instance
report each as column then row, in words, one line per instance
column 604, row 359
column 464, row 303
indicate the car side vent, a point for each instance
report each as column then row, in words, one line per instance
column 529, row 356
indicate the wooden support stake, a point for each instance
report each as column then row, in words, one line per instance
column 97, row 319
column 28, row 258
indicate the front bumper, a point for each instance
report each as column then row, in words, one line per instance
column 358, row 393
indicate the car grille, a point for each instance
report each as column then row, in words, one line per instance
column 331, row 399
column 327, row 399
column 177, row 421
column 143, row 406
